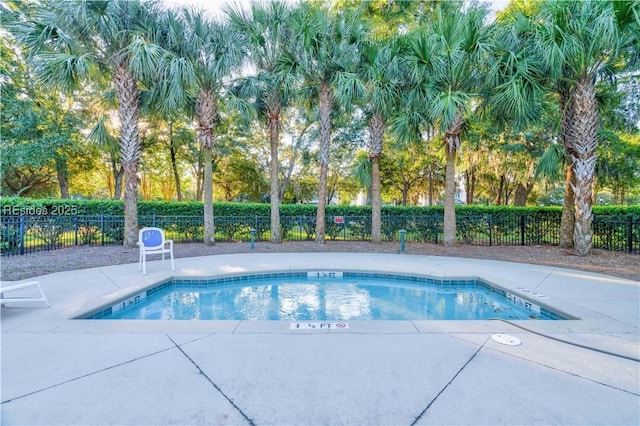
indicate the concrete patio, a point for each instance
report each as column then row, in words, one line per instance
column 64, row 371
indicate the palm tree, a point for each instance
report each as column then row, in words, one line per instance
column 381, row 73
column 200, row 55
column 268, row 32
column 581, row 42
column 445, row 63
column 327, row 56
column 77, row 41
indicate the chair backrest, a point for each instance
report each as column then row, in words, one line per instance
column 151, row 237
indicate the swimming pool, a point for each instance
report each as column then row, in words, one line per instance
column 325, row 296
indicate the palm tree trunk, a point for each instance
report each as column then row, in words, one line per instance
column 376, row 133
column 209, row 230
column 449, row 238
column 326, row 105
column 130, row 204
column 128, row 99
column 206, row 110
column 568, row 219
column 584, row 142
column 452, row 144
column 199, row 173
column 376, row 201
column 274, row 136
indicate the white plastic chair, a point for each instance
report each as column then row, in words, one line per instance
column 151, row 241
column 22, row 299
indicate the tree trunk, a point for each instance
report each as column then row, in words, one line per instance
column 130, row 204
column 522, row 192
column 405, row 192
column 292, row 162
column 376, row 134
column 118, row 174
column 326, row 106
column 430, row 190
column 206, row 111
column 209, row 229
column 467, row 184
column 568, row 219
column 287, row 178
column 472, row 191
column 199, row 171
column 63, row 177
column 449, row 198
column 274, row 136
column 452, row 145
column 500, row 191
column 174, row 162
column 470, row 186
column 128, row 99
column 508, row 190
column 583, row 140
column 376, row 201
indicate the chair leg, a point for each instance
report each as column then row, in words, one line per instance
column 173, row 266
column 144, row 264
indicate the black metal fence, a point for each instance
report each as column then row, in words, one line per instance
column 28, row 234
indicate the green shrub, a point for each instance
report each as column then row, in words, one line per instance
column 57, row 207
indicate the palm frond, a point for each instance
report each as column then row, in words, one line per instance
column 62, row 70
column 144, row 57
column 362, row 170
column 103, row 136
column 550, row 164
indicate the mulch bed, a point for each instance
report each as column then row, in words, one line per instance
column 13, row 268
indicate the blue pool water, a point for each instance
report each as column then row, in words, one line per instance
column 300, row 298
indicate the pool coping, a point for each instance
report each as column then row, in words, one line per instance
column 571, row 292
column 578, row 294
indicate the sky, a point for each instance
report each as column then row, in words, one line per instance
column 216, row 5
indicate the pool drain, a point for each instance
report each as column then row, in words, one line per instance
column 505, row 339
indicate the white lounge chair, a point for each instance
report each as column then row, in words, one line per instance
column 151, row 241
column 22, row 299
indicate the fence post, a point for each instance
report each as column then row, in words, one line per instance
column 75, row 223
column 102, row 229
column 252, row 232
column 630, row 235
column 522, row 230
column 490, row 230
column 21, row 234
column 403, row 232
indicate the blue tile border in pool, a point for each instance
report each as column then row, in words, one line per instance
column 415, row 279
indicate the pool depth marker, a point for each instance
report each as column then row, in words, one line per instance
column 318, row 326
